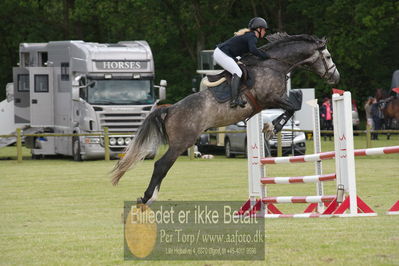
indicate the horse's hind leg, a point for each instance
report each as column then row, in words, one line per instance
column 161, row 168
column 182, row 133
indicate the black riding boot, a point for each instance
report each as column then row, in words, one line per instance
column 235, row 97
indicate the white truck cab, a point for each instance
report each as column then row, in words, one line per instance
column 82, row 87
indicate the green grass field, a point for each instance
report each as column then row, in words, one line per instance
column 60, row 212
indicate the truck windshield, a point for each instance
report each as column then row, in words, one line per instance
column 120, row 92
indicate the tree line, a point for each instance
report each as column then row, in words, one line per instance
column 363, row 35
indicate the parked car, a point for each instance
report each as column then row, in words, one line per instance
column 236, row 143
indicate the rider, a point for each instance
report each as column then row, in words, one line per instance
column 243, row 42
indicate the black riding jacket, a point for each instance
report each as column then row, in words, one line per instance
column 242, row 44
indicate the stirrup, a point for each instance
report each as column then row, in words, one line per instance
column 233, row 103
column 238, row 102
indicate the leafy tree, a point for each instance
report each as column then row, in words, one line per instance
column 363, row 34
column 362, row 37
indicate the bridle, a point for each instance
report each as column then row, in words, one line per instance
column 252, row 100
column 326, row 68
column 308, row 68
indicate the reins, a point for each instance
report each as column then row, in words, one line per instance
column 300, row 65
column 252, row 100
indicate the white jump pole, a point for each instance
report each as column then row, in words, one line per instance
column 317, row 149
column 255, row 151
column 344, row 151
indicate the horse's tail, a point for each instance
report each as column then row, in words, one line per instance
column 150, row 135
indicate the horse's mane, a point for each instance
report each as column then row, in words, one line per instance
column 280, row 39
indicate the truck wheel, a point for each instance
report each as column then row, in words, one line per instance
column 37, row 156
column 76, row 149
column 227, row 149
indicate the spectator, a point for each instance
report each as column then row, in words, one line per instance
column 326, row 116
column 367, row 109
column 378, row 118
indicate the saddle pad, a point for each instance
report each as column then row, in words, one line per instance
column 221, row 92
column 216, row 77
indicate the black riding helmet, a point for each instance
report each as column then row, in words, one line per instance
column 257, row 22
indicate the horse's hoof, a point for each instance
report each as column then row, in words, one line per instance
column 140, row 200
column 140, row 204
column 268, row 129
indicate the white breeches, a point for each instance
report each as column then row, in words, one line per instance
column 226, row 62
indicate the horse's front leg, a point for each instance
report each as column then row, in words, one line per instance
column 290, row 104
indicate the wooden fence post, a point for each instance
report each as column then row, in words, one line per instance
column 368, row 136
column 106, row 144
column 19, row 145
column 190, row 153
column 279, row 144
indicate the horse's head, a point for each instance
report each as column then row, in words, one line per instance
column 303, row 50
column 321, row 63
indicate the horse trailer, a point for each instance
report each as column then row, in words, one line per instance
column 77, row 87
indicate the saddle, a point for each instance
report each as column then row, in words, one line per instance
column 219, row 84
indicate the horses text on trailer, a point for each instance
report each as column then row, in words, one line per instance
column 78, row 87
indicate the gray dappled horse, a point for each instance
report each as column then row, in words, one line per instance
column 182, row 123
